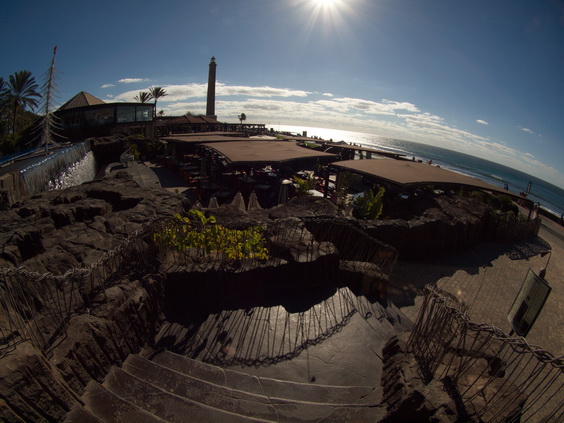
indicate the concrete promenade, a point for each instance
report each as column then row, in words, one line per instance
column 488, row 278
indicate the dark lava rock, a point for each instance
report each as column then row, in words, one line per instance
column 233, row 217
column 306, row 206
column 290, row 239
column 55, row 229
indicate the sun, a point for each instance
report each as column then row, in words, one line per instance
column 326, row 3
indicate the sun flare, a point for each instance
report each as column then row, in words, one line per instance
column 326, row 3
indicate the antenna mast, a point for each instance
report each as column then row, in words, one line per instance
column 49, row 121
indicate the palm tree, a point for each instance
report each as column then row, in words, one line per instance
column 2, row 89
column 143, row 97
column 242, row 117
column 3, row 116
column 3, row 92
column 156, row 93
column 21, row 92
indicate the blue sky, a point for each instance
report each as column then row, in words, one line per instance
column 482, row 77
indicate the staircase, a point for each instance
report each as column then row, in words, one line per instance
column 173, row 388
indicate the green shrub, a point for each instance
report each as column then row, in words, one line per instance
column 195, row 230
column 370, row 206
column 506, row 204
column 304, row 185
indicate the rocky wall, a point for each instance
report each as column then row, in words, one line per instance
column 38, row 388
column 407, row 398
column 454, row 224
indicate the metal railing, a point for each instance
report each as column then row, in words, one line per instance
column 38, row 307
column 491, row 376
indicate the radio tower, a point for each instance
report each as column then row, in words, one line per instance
column 49, row 123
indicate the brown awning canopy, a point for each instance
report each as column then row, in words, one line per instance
column 202, row 138
column 265, row 151
column 410, row 173
column 335, row 146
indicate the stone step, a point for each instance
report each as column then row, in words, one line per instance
column 180, row 402
column 79, row 415
column 237, row 399
column 272, row 388
column 108, row 407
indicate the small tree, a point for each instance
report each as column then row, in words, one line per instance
column 242, row 117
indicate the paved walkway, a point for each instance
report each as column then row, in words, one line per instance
column 141, row 173
column 488, row 278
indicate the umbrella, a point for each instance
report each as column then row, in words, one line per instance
column 213, row 204
column 203, row 168
column 253, row 202
column 283, row 193
column 238, row 201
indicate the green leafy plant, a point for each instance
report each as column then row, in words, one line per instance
column 370, row 206
column 134, row 151
column 195, row 230
column 345, row 182
column 304, row 185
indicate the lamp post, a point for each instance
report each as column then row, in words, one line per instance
column 542, row 272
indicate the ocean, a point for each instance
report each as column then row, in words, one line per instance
column 549, row 196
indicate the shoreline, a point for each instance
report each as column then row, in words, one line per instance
column 408, row 148
column 549, row 214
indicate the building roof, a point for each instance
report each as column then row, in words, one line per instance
column 82, row 99
column 191, row 120
column 209, row 134
column 410, row 173
column 265, row 151
column 331, row 146
column 204, row 137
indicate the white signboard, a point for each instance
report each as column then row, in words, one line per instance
column 529, row 303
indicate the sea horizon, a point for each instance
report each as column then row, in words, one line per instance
column 548, row 195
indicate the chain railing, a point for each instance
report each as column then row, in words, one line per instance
column 352, row 243
column 307, row 239
column 491, row 376
column 38, row 307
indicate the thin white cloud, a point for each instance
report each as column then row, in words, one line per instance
column 107, row 86
column 328, row 95
column 482, row 122
column 235, row 90
column 131, row 80
column 387, row 118
column 189, row 91
column 528, row 131
column 351, row 105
